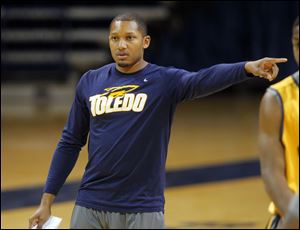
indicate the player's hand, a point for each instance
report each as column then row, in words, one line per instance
column 265, row 67
column 41, row 215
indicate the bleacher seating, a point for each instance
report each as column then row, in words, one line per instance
column 48, row 43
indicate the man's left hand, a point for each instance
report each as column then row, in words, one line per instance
column 265, row 67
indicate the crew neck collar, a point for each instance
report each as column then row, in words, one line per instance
column 117, row 72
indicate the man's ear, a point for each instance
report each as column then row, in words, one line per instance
column 146, row 41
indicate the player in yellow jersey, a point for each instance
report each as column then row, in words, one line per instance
column 279, row 139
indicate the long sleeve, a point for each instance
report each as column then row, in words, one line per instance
column 73, row 138
column 192, row 85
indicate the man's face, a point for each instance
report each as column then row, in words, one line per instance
column 127, row 43
column 295, row 41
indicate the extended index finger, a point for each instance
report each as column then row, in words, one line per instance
column 277, row 60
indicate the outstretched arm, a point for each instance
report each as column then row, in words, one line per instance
column 191, row 85
column 271, row 151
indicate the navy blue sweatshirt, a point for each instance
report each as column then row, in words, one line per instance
column 128, row 118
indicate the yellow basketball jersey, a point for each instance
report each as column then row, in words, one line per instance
column 288, row 90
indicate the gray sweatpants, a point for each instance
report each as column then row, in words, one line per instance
column 86, row 218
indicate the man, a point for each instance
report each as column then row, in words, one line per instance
column 291, row 219
column 279, row 139
column 127, row 108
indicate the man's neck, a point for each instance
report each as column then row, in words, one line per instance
column 132, row 69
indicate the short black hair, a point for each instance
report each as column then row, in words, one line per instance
column 132, row 17
column 295, row 26
column 296, row 22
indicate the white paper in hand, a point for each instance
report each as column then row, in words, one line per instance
column 52, row 223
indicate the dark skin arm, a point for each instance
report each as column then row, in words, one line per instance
column 291, row 220
column 271, row 152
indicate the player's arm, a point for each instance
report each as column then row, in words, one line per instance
column 191, row 85
column 271, row 151
column 291, row 220
column 73, row 138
